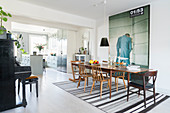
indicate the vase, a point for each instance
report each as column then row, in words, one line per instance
column 40, row 52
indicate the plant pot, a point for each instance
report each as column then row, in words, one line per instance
column 3, row 36
column 34, row 53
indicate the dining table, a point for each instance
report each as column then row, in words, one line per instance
column 112, row 69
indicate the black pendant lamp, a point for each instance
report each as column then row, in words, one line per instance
column 104, row 42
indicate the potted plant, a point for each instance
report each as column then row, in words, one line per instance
column 81, row 50
column 3, row 18
column 40, row 46
column 20, row 47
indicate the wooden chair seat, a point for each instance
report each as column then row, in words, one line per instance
column 148, row 86
column 105, row 79
column 86, row 75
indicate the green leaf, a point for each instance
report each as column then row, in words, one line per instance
column 9, row 15
column 0, row 7
column 22, row 50
column 16, row 43
column 3, row 13
column 19, row 45
column 1, row 32
column 5, row 19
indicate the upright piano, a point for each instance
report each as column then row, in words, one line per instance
column 8, row 75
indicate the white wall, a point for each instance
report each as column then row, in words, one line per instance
column 102, row 52
column 159, row 42
column 71, row 48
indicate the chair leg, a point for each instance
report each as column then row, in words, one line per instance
column 85, row 83
column 144, row 97
column 154, row 94
column 92, row 87
column 30, row 87
column 128, row 93
column 109, row 83
column 37, row 88
column 117, row 84
column 139, row 93
column 18, row 86
column 124, row 82
column 101, row 85
column 79, row 82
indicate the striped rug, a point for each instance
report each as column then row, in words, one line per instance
column 118, row 103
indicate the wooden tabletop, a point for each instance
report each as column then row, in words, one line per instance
column 114, row 68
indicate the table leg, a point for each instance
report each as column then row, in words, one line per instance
column 110, row 83
column 128, row 77
column 24, row 102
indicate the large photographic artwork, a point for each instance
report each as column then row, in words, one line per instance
column 136, row 46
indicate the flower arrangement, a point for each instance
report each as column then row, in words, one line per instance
column 40, row 46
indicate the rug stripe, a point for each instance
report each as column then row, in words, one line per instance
column 128, row 108
column 154, row 105
column 103, row 93
column 114, row 100
column 104, row 90
column 141, row 106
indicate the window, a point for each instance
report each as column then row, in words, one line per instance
column 38, row 40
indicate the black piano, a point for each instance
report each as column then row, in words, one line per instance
column 9, row 73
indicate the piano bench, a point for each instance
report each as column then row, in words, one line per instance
column 30, row 80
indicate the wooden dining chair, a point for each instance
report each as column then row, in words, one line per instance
column 75, row 71
column 83, row 75
column 118, row 75
column 104, row 62
column 145, row 84
column 97, row 75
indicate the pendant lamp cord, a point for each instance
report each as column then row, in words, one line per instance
column 105, row 16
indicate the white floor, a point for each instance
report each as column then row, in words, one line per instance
column 55, row 100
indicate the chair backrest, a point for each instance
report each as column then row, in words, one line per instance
column 150, row 75
column 104, row 61
column 73, row 66
column 97, row 72
column 82, row 69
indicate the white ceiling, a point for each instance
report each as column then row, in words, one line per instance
column 87, row 9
